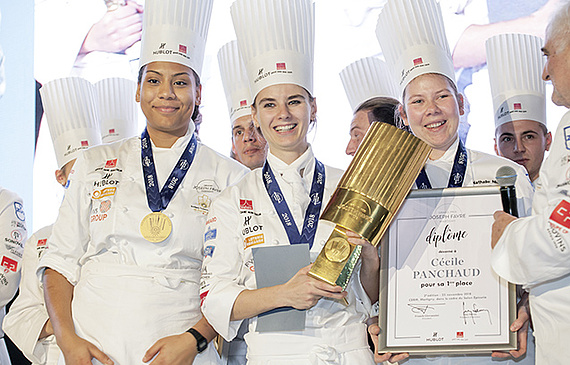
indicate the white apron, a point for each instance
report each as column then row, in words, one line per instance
column 142, row 304
column 346, row 345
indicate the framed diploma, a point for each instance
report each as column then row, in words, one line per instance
column 438, row 292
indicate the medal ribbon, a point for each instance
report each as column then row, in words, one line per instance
column 311, row 214
column 457, row 172
column 158, row 200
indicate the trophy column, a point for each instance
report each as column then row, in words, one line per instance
column 368, row 196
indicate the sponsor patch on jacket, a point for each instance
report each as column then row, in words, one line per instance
column 17, row 235
column 202, row 204
column 9, row 264
column 98, row 194
column 567, row 137
column 209, row 251
column 42, row 243
column 111, row 163
column 210, row 234
column 249, row 265
column 246, row 204
column 556, row 238
column 98, row 217
column 211, row 220
column 207, row 186
column 105, row 206
column 19, row 211
column 203, row 297
column 254, row 240
column 561, row 214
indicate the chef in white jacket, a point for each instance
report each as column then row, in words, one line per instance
column 13, row 235
column 276, row 40
column 122, row 270
column 248, row 145
column 370, row 88
column 412, row 37
column 533, row 251
column 73, row 116
column 519, row 99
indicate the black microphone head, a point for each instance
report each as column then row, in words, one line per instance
column 506, row 176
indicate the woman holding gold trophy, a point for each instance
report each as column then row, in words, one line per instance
column 278, row 206
column 412, row 37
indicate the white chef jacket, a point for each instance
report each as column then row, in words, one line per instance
column 535, row 251
column 130, row 292
column 481, row 170
column 243, row 216
column 13, row 235
column 28, row 314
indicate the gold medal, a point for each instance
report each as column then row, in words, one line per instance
column 337, row 249
column 156, row 227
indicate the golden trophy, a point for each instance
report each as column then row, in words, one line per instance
column 368, row 196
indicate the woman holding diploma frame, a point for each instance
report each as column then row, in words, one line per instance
column 122, row 272
column 412, row 38
column 276, row 38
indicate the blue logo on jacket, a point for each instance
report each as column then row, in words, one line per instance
column 567, row 137
column 210, row 234
column 209, row 251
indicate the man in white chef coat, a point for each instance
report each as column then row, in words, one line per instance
column 534, row 251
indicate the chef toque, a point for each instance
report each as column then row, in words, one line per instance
column 175, row 31
column 515, row 71
column 367, row 78
column 117, row 108
column 276, row 41
column 412, row 37
column 72, row 116
column 234, row 79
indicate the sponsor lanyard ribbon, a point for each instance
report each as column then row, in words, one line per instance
column 457, row 172
column 158, row 200
column 311, row 214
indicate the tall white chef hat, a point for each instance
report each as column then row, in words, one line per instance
column 515, row 72
column 72, row 116
column 117, row 108
column 412, row 37
column 234, row 79
column 276, row 41
column 367, row 78
column 175, row 31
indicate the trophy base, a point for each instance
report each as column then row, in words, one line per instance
column 337, row 260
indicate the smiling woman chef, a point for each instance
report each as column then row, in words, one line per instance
column 123, row 265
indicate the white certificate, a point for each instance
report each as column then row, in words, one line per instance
column 439, row 293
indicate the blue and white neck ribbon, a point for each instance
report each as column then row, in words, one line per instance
column 158, row 200
column 312, row 213
column 457, row 172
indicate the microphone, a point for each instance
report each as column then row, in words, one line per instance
column 506, row 177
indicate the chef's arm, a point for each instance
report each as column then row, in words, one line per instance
column 47, row 330
column 179, row 349
column 370, row 269
column 300, row 292
column 205, row 329
column 58, row 293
